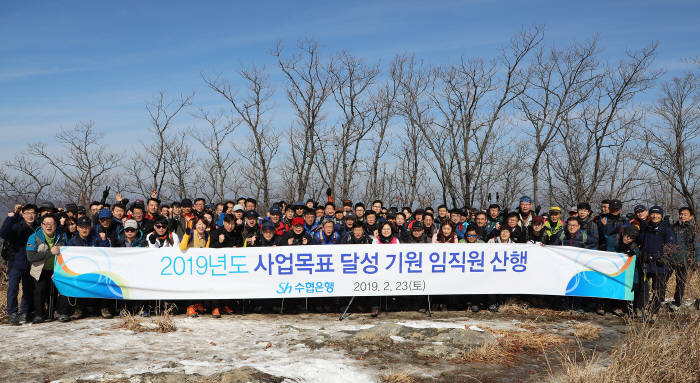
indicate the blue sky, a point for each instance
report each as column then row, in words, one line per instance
column 63, row 62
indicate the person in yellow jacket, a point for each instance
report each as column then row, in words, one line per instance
column 196, row 236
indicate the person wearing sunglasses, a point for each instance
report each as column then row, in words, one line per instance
column 162, row 236
column 471, row 236
column 131, row 236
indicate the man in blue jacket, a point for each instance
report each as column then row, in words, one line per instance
column 16, row 229
column 656, row 241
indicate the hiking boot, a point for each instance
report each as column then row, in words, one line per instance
column 227, row 310
column 77, row 314
column 23, row 318
column 200, row 308
column 63, row 318
column 38, row 319
column 697, row 304
column 106, row 314
column 493, row 308
column 192, row 312
column 215, row 313
column 673, row 308
column 600, row 311
column 375, row 311
column 474, row 308
column 14, row 319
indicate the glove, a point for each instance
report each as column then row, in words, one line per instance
column 152, row 240
column 105, row 193
column 329, row 191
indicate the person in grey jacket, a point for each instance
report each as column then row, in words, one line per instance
column 685, row 252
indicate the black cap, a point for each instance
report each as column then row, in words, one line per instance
column 615, row 205
column 251, row 214
column 639, row 208
column 84, row 221
column 267, row 225
column 418, row 225
column 656, row 209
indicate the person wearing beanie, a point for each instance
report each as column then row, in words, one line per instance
column 653, row 241
column 525, row 213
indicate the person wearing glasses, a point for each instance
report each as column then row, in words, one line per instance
column 42, row 248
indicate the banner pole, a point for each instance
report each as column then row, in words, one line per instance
column 342, row 316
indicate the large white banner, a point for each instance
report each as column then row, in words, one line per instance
column 342, row 270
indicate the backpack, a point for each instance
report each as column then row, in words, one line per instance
column 6, row 251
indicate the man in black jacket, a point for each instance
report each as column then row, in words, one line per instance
column 228, row 235
column 296, row 236
column 357, row 236
column 16, row 229
column 416, row 235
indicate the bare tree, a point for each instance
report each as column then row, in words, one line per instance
column 82, row 162
column 558, row 82
column 384, row 108
column 671, row 146
column 23, row 181
column 148, row 168
column 252, row 110
column 339, row 149
column 218, row 164
column 309, row 84
column 181, row 159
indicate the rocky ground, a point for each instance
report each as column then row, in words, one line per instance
column 517, row 344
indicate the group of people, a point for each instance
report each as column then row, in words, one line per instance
column 33, row 235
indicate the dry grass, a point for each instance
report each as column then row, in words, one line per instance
column 586, row 331
column 515, row 309
column 3, row 293
column 162, row 323
column 666, row 351
column 511, row 344
column 397, row 378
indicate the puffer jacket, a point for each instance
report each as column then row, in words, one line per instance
column 653, row 241
column 685, row 243
column 16, row 231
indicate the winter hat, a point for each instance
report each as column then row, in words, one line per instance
column 631, row 231
column 639, row 208
column 538, row 220
column 298, row 221
column 525, row 199
column 656, row 209
column 238, row 207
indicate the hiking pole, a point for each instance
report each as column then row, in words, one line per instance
column 282, row 307
column 342, row 316
column 50, row 314
column 430, row 313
